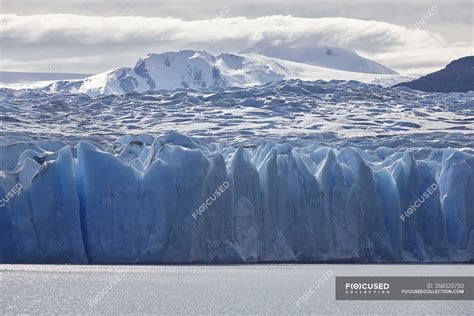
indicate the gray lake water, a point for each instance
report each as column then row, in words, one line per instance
column 242, row 289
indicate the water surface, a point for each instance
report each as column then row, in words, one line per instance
column 241, row 289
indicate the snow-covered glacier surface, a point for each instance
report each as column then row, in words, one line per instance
column 290, row 171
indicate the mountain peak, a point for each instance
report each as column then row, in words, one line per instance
column 202, row 70
column 457, row 76
column 461, row 63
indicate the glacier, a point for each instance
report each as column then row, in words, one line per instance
column 81, row 204
column 290, row 171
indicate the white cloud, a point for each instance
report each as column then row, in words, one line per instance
column 67, row 37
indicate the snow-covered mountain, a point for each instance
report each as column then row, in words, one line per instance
column 324, row 56
column 201, row 70
column 13, row 77
column 30, row 80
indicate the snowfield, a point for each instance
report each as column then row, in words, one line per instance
column 316, row 171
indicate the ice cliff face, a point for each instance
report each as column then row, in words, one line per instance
column 165, row 199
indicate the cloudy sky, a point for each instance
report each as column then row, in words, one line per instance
column 90, row 36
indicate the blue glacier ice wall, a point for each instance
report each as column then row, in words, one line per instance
column 164, row 200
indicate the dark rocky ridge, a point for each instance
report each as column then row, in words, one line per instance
column 457, row 76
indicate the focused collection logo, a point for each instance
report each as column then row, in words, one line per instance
column 404, row 288
column 367, row 288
